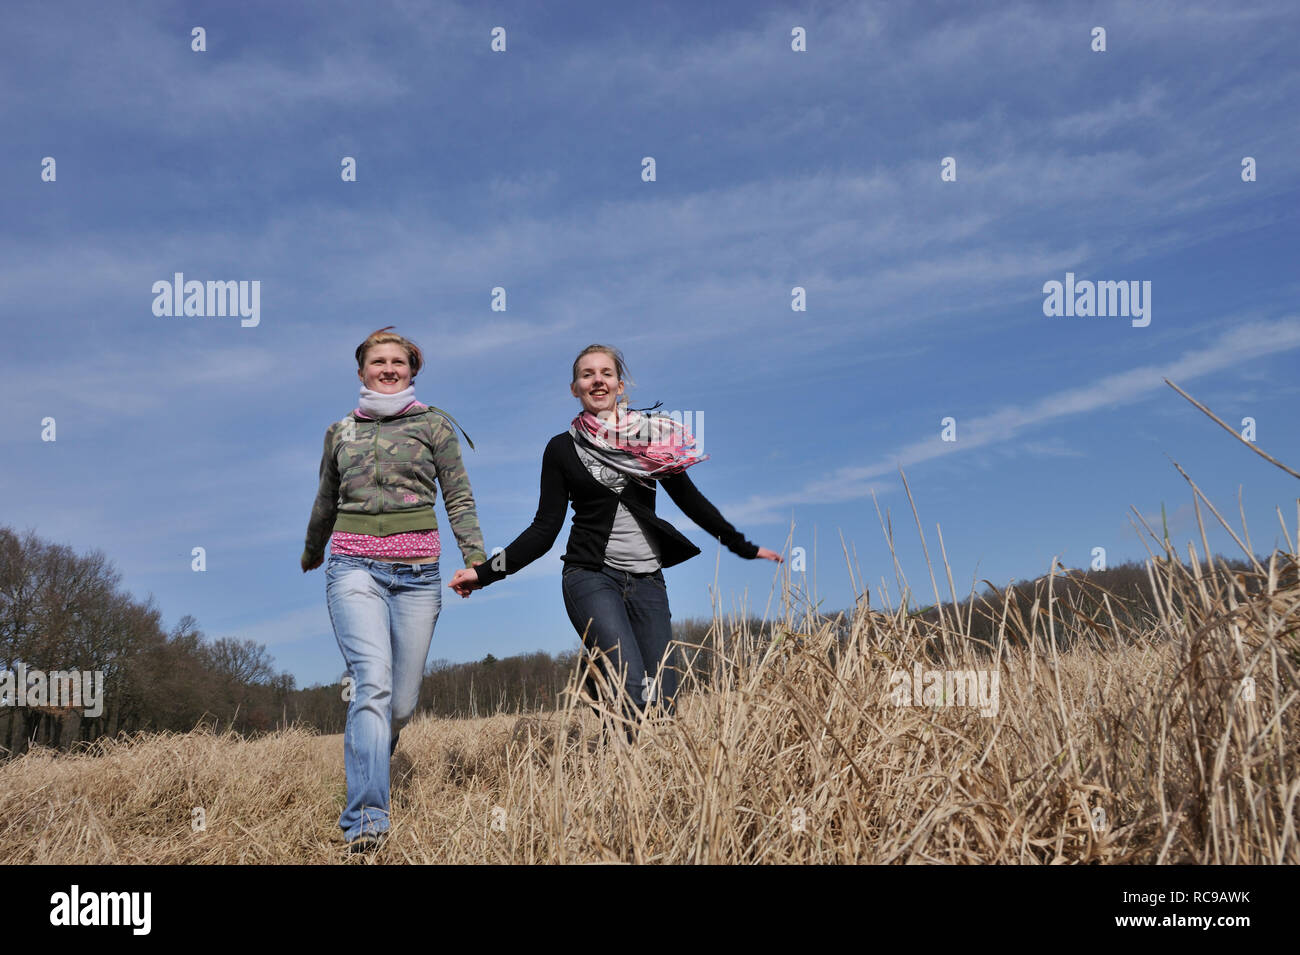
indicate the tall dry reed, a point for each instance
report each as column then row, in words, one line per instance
column 1175, row 742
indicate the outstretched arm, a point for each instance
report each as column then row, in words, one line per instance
column 536, row 539
column 698, row 508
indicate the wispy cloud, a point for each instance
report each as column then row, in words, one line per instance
column 1232, row 348
column 522, row 170
column 156, row 77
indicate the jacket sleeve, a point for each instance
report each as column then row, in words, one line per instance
column 539, row 536
column 457, row 496
column 325, row 508
column 697, row 507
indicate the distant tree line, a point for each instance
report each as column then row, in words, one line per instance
column 517, row 684
column 1083, row 604
column 61, row 612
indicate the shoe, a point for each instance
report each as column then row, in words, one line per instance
column 367, row 842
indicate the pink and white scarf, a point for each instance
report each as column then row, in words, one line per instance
column 642, row 446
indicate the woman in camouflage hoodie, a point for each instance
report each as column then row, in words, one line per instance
column 378, row 477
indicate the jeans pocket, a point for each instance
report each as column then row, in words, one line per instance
column 338, row 562
column 571, row 578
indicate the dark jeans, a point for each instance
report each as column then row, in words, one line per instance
column 626, row 615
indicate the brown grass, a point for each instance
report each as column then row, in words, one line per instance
column 1128, row 748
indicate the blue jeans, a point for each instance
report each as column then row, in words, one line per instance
column 383, row 615
column 626, row 615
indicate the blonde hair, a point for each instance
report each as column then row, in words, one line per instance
column 383, row 336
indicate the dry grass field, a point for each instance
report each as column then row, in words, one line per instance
column 1129, row 747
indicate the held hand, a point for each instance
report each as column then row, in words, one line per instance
column 769, row 555
column 310, row 564
column 465, row 581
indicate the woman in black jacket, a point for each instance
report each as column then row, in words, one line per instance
column 607, row 464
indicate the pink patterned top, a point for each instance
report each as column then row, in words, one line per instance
column 409, row 544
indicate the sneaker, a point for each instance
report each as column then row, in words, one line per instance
column 367, row 842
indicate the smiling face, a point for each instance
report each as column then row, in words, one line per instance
column 597, row 386
column 387, row 369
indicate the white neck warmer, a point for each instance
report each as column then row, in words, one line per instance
column 379, row 405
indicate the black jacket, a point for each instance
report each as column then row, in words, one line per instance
column 565, row 479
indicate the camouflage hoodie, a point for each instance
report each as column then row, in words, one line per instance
column 377, row 478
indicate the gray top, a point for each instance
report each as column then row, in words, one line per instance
column 629, row 548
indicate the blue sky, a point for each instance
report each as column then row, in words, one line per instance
column 522, row 169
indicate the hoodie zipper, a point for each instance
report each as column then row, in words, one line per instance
column 375, row 454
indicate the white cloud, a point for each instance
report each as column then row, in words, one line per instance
column 1237, row 345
